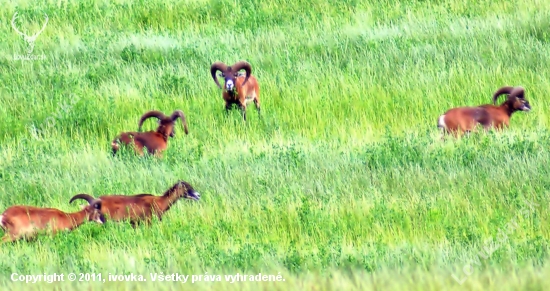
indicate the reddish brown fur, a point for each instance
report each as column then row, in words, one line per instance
column 245, row 89
column 155, row 141
column 500, row 115
column 25, row 222
column 142, row 207
column 459, row 120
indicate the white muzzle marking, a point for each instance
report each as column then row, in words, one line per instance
column 229, row 85
column 1, row 220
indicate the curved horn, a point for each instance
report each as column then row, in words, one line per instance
column 86, row 197
column 517, row 92
column 149, row 114
column 217, row 66
column 179, row 113
column 242, row 65
column 501, row 91
column 43, row 27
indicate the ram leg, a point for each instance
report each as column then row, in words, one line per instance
column 139, row 151
column 257, row 103
column 148, row 221
column 456, row 133
column 499, row 126
column 243, row 110
column 134, row 223
column 159, row 215
column 115, row 146
column 444, row 133
column 228, row 107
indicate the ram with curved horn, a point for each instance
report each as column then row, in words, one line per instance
column 25, row 222
column 237, row 89
column 464, row 119
column 142, row 207
column 154, row 141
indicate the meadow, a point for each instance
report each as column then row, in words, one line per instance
column 342, row 184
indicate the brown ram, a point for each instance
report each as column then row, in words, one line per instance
column 238, row 90
column 25, row 222
column 142, row 207
column 460, row 120
column 155, row 141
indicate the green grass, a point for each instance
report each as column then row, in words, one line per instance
column 342, row 185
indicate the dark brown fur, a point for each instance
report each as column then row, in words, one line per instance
column 500, row 115
column 460, row 120
column 142, row 207
column 244, row 90
column 24, row 222
column 155, row 141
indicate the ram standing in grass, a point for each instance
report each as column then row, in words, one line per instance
column 344, row 185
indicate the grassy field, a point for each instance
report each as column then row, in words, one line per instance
column 342, row 185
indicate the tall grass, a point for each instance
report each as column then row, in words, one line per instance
column 343, row 184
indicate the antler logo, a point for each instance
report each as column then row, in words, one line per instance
column 29, row 39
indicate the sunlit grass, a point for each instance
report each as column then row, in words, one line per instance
column 343, row 184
